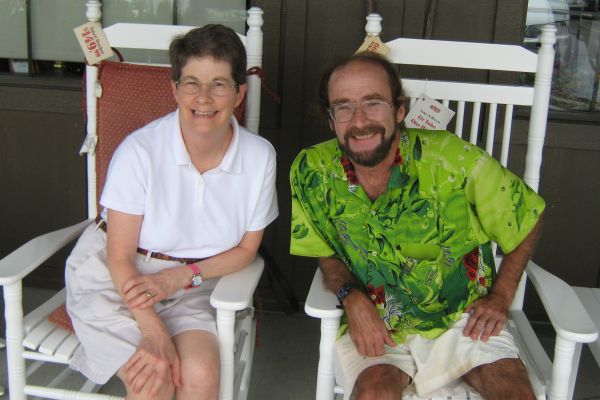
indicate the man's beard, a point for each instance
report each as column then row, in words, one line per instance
column 368, row 158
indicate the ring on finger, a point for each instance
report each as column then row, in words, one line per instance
column 149, row 294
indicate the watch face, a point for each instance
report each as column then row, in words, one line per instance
column 196, row 280
column 343, row 292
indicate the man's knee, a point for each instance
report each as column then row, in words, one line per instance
column 502, row 379
column 380, row 382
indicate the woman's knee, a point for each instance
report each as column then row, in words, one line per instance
column 201, row 375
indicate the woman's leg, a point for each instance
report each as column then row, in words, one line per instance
column 200, row 365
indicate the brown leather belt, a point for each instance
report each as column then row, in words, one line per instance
column 100, row 223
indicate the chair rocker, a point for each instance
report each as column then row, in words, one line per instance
column 112, row 111
column 551, row 380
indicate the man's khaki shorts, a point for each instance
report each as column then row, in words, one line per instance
column 432, row 364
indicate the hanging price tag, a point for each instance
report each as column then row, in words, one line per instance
column 93, row 41
column 428, row 113
column 373, row 44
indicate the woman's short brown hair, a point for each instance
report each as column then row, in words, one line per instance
column 214, row 40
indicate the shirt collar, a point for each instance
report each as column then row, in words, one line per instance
column 350, row 172
column 232, row 160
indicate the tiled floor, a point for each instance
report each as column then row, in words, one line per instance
column 285, row 360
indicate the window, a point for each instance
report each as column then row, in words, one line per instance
column 36, row 36
column 576, row 71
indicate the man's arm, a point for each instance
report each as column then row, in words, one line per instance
column 365, row 326
column 490, row 313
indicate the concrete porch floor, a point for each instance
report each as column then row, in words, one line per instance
column 285, row 359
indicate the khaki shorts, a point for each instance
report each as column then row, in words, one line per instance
column 432, row 363
column 108, row 333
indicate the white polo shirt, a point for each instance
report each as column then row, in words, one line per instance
column 188, row 214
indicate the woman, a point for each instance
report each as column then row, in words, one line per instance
column 186, row 200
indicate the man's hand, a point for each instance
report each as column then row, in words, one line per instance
column 151, row 364
column 488, row 316
column 366, row 328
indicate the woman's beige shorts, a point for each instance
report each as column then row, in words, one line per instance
column 108, row 333
column 432, row 363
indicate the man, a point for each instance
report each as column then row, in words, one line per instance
column 402, row 222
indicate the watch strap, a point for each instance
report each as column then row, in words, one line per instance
column 344, row 291
column 196, row 272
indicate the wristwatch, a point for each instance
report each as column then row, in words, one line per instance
column 344, row 291
column 197, row 277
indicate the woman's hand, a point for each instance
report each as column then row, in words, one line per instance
column 144, row 291
column 152, row 363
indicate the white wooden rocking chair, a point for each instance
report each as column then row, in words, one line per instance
column 34, row 343
column 551, row 380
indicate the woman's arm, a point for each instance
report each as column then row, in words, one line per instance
column 156, row 355
column 166, row 282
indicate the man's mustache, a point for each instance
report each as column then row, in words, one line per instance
column 364, row 131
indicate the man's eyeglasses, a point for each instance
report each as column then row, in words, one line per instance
column 375, row 110
column 219, row 87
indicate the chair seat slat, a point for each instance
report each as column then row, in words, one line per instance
column 67, row 348
column 40, row 314
column 38, row 334
column 53, row 341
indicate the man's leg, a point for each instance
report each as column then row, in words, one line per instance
column 503, row 379
column 380, row 382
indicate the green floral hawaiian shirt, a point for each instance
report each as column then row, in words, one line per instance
column 422, row 250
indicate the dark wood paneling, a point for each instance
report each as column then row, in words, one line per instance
column 42, row 176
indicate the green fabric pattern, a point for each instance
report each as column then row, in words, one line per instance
column 422, row 250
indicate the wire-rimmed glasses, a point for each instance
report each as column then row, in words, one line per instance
column 218, row 87
column 374, row 110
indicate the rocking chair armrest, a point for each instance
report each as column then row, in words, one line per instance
column 568, row 316
column 321, row 303
column 18, row 264
column 235, row 291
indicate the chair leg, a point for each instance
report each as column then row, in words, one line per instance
column 13, row 314
column 574, row 370
column 247, row 354
column 325, row 375
column 225, row 329
column 563, row 358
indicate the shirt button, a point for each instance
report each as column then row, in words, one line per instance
column 374, row 254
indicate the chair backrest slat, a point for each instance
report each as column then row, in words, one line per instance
column 491, row 128
column 145, row 36
column 442, row 53
column 469, row 92
column 475, row 122
column 460, row 117
column 506, row 130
